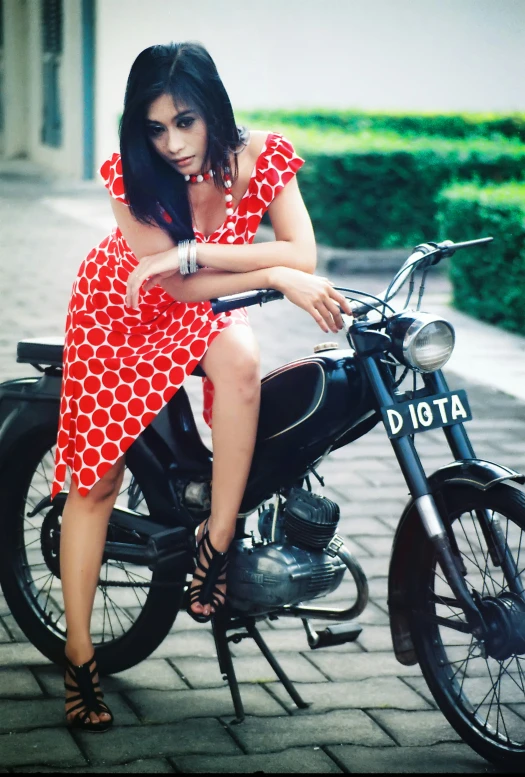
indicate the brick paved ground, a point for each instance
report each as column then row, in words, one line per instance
column 368, row 713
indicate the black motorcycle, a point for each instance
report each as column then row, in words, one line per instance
column 456, row 579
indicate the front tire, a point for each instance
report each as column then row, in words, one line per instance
column 134, row 608
column 483, row 698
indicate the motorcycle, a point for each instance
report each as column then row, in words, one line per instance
column 456, row 578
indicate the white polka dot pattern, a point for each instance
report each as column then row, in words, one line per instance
column 121, row 365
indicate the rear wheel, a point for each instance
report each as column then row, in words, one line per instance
column 134, row 608
column 483, row 697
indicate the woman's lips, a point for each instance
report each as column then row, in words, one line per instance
column 184, row 162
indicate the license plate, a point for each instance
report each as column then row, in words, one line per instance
column 420, row 415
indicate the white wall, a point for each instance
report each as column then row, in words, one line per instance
column 445, row 55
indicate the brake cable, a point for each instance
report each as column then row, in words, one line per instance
column 422, row 287
column 383, row 303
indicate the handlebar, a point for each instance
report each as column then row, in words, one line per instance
column 244, row 300
column 424, row 254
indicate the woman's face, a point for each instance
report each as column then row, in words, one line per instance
column 178, row 134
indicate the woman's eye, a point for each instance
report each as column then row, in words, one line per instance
column 154, row 130
column 185, row 123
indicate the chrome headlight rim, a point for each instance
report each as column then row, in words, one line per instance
column 403, row 342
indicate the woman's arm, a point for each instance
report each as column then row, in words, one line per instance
column 314, row 294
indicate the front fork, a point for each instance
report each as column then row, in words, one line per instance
column 420, row 490
column 461, row 448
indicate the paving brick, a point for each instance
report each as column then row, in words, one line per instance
column 377, row 692
column 16, row 683
column 363, row 527
column 375, row 566
column 426, row 727
column 14, row 630
column 172, row 706
column 41, row 746
column 44, row 713
column 420, row 686
column 297, row 760
column 377, row 546
column 378, row 587
column 120, row 745
column 359, row 666
column 20, row 654
column 204, row 673
column 340, row 476
column 437, row 759
column 149, row 766
column 376, row 638
column 274, row 734
column 373, row 615
column 153, row 674
column 186, row 643
column 361, row 496
column 4, row 635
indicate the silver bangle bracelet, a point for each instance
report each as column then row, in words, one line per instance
column 183, row 247
column 193, row 256
column 187, row 257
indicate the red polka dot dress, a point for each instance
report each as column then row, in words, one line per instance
column 122, row 365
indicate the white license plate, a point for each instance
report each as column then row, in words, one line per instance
column 420, row 415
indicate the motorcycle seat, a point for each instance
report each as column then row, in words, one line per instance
column 43, row 351
column 48, row 351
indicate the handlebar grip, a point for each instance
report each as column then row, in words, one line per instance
column 244, row 300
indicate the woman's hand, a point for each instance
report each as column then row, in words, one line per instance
column 150, row 271
column 314, row 294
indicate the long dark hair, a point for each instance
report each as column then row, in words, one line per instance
column 187, row 73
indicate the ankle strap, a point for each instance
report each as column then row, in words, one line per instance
column 80, row 666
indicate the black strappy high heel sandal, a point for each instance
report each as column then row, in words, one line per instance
column 88, row 697
column 206, row 591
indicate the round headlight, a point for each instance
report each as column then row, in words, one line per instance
column 423, row 341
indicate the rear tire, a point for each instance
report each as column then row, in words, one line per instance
column 128, row 627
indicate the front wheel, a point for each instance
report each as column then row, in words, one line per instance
column 482, row 697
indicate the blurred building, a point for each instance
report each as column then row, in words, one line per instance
column 64, row 63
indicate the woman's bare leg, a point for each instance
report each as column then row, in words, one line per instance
column 232, row 365
column 83, row 534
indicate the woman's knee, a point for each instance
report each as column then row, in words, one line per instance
column 235, row 362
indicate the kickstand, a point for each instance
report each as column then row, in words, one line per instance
column 220, row 627
column 222, row 623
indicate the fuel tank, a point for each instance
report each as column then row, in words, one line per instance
column 307, row 407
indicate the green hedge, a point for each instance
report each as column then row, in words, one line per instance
column 461, row 125
column 488, row 283
column 371, row 189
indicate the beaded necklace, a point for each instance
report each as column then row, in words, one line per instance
column 228, row 198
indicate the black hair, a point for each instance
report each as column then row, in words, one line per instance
column 187, row 72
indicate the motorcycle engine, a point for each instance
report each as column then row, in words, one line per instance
column 290, row 565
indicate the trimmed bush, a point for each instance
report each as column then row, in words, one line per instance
column 462, row 125
column 489, row 282
column 373, row 190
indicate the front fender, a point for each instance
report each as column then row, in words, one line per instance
column 410, row 535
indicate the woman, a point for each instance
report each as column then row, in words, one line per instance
column 188, row 193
